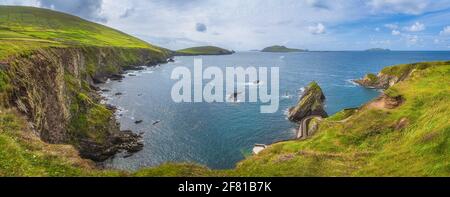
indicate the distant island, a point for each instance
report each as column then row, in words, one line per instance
column 377, row 49
column 204, row 50
column 281, row 49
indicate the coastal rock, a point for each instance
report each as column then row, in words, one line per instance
column 121, row 141
column 380, row 81
column 310, row 104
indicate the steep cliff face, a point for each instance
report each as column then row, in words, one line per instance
column 310, row 104
column 389, row 76
column 54, row 88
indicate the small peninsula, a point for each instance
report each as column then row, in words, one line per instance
column 204, row 50
column 281, row 49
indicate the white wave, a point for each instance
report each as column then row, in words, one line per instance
column 350, row 81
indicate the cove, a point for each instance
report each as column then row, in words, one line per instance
column 219, row 135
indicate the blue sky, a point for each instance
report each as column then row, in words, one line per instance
column 255, row 24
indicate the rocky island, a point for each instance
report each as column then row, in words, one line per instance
column 203, row 50
column 281, row 49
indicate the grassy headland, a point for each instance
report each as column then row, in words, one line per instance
column 203, row 50
column 49, row 62
column 281, row 49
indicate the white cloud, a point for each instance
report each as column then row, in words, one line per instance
column 414, row 7
column 416, row 27
column 377, row 29
column 445, row 31
column 396, row 32
column 317, row 29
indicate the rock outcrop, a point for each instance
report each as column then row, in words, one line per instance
column 389, row 76
column 310, row 104
column 380, row 81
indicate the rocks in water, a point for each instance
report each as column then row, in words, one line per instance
column 156, row 122
column 138, row 121
column 105, row 90
column 120, row 141
column 116, row 77
column 111, row 107
column 118, row 94
column 310, row 104
column 127, row 68
column 170, row 60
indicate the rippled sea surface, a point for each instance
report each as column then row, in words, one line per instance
column 219, row 135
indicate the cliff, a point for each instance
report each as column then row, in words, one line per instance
column 49, row 75
column 311, row 103
column 392, row 75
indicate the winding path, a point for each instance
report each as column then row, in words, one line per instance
column 302, row 132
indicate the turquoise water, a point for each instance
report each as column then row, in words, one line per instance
column 219, row 135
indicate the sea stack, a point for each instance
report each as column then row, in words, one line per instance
column 310, row 104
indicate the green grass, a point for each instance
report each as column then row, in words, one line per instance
column 26, row 28
column 370, row 142
column 22, row 153
column 204, row 50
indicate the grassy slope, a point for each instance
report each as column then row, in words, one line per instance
column 204, row 50
column 27, row 28
column 369, row 144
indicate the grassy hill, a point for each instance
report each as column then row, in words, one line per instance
column 204, row 50
column 281, row 49
column 48, row 62
column 28, row 28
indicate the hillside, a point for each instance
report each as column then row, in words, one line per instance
column 49, row 64
column 27, row 28
column 281, row 49
column 203, row 50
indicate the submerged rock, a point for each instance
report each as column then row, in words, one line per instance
column 310, row 104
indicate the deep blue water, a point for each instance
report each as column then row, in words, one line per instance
column 220, row 134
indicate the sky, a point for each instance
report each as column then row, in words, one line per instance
column 255, row 24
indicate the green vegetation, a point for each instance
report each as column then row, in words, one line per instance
column 27, row 28
column 204, row 50
column 281, row 49
column 410, row 140
column 22, row 153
